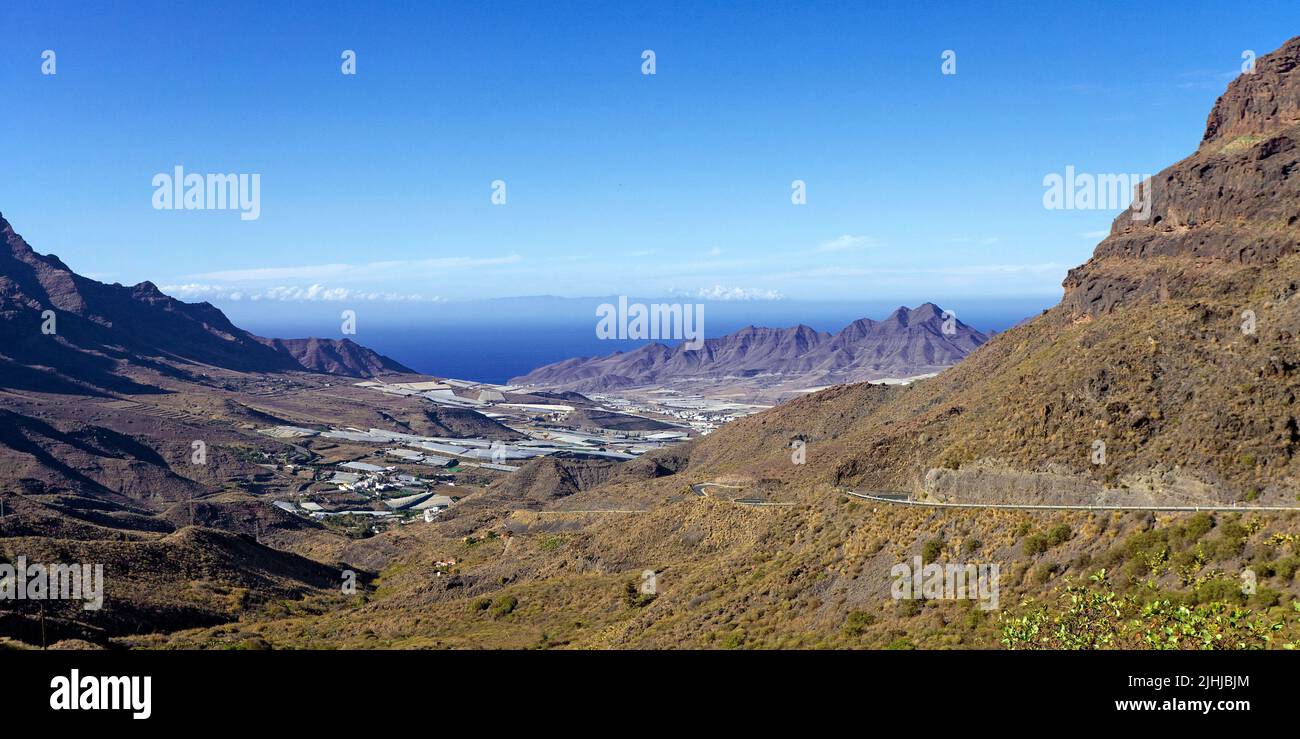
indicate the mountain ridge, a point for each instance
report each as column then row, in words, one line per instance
column 94, row 326
column 908, row 342
column 1169, row 371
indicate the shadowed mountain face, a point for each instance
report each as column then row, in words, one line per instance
column 909, row 342
column 337, row 357
column 91, row 328
column 104, row 390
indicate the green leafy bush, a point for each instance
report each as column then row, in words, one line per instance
column 908, row 607
column 857, row 622
column 1034, row 544
column 1286, row 567
column 1096, row 617
column 1059, row 534
column 504, row 606
column 931, row 550
column 634, row 598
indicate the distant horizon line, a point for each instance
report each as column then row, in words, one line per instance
column 899, row 301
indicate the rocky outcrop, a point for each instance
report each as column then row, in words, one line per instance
column 1259, row 102
column 1234, row 204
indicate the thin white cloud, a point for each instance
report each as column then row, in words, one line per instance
column 396, row 268
column 719, row 292
column 290, row 293
column 846, row 242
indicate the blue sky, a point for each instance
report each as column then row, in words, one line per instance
column 376, row 187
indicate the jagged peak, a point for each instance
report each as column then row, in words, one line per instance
column 1261, row 102
column 147, row 289
column 903, row 315
column 14, row 242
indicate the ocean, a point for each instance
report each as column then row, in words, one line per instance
column 495, row 340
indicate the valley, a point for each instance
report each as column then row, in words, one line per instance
column 1135, row 445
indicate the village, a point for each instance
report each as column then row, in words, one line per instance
column 367, row 480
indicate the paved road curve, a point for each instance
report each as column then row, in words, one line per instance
column 699, row 489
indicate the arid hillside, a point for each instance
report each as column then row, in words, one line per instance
column 1168, row 372
column 1167, row 375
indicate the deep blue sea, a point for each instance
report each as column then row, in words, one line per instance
column 494, row 340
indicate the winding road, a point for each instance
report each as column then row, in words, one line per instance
column 698, row 489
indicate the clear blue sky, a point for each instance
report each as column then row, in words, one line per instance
column 920, row 185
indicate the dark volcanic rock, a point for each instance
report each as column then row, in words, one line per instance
column 1230, row 205
column 337, row 357
column 98, row 327
column 1265, row 100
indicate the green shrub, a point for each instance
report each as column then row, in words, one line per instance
column 1139, row 552
column 931, row 550
column 634, row 598
column 908, row 607
column 1059, row 534
column 1194, row 528
column 734, row 639
column 1263, row 568
column 1096, row 617
column 1265, row 598
column 857, row 622
column 1044, row 571
column 1286, row 567
column 504, row 606
column 1221, row 590
column 1224, row 547
column 1034, row 544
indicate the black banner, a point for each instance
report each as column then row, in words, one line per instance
column 329, row 687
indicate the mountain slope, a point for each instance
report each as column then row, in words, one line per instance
column 337, row 357
column 1146, row 353
column 94, row 328
column 1149, row 381
column 191, row 577
column 909, row 342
